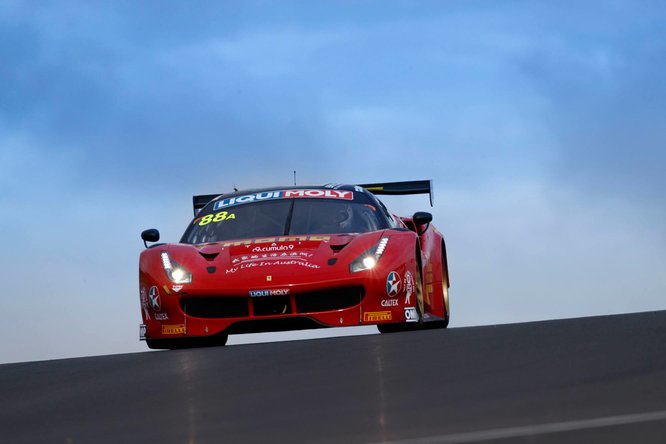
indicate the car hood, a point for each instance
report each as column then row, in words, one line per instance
column 280, row 261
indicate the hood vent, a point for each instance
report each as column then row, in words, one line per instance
column 209, row 252
column 209, row 256
column 338, row 248
column 340, row 242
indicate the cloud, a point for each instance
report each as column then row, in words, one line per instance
column 606, row 106
column 541, row 125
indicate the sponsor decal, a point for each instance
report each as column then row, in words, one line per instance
column 296, row 261
column 166, row 289
column 328, row 194
column 178, row 329
column 217, row 217
column 411, row 315
column 144, row 303
column 176, row 288
column 161, row 317
column 274, row 292
column 142, row 332
column 429, row 288
column 389, row 302
column 294, row 255
column 375, row 316
column 393, row 284
column 273, row 247
column 269, row 240
column 283, row 194
column 409, row 287
column 154, row 298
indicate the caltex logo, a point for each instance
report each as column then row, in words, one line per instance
column 154, row 298
column 393, row 284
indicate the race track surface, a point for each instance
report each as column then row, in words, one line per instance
column 600, row 379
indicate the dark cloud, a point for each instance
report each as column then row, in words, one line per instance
column 133, row 97
column 160, row 86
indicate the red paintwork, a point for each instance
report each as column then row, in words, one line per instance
column 238, row 280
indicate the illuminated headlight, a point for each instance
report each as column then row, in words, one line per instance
column 369, row 259
column 174, row 271
column 369, row 262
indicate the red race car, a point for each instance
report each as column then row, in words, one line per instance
column 293, row 258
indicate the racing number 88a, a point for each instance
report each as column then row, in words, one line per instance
column 217, row 217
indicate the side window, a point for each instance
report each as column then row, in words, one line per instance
column 388, row 215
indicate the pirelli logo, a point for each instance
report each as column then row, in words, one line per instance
column 178, row 329
column 376, row 316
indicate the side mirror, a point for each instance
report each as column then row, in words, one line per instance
column 150, row 235
column 420, row 219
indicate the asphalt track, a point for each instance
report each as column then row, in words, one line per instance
column 587, row 380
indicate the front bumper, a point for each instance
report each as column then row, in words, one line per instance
column 195, row 315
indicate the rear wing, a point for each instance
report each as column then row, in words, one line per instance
column 198, row 202
column 400, row 188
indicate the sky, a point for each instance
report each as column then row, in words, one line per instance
column 540, row 123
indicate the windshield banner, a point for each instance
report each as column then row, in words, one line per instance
column 283, row 194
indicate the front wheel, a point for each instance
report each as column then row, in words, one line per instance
column 445, row 299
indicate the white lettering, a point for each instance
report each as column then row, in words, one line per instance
column 273, row 247
column 273, row 262
column 314, row 193
column 411, row 315
column 243, row 199
column 265, row 195
column 318, row 193
column 275, row 292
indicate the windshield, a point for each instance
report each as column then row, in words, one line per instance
column 282, row 217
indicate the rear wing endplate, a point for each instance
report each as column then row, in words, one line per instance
column 198, row 202
column 401, row 188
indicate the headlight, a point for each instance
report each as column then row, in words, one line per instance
column 174, row 271
column 369, row 259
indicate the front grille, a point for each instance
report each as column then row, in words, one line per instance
column 328, row 300
column 211, row 307
column 271, row 305
column 215, row 307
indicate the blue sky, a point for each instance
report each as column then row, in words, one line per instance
column 541, row 125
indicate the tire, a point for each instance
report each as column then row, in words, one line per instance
column 389, row 328
column 445, row 297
